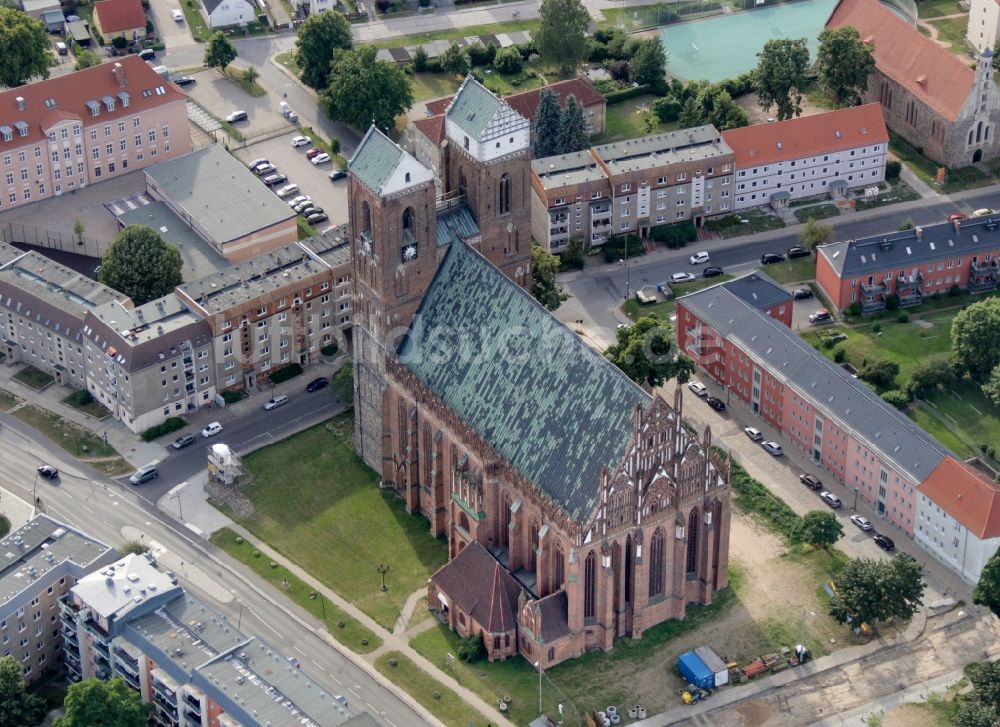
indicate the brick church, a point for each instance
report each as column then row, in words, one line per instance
column 577, row 507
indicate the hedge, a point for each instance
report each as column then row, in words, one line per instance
column 752, row 497
column 614, row 249
column 286, row 373
column 170, row 425
column 626, row 93
column 675, row 235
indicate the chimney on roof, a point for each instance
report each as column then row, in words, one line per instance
column 957, row 224
column 20, row 103
column 119, row 73
column 919, row 232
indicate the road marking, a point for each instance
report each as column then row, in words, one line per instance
column 371, row 706
column 194, row 529
column 336, row 680
column 354, row 693
column 390, row 723
column 87, row 509
column 318, row 664
column 299, row 650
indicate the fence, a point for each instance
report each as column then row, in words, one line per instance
column 262, row 135
column 14, row 232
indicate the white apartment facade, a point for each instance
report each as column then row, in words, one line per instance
column 984, row 24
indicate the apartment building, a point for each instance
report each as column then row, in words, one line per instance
column 911, row 264
column 45, row 558
column 69, row 131
column 984, row 24
column 191, row 663
column 826, row 153
column 43, row 305
column 630, row 186
column 275, row 309
column 148, row 363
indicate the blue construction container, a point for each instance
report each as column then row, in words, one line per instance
column 695, row 671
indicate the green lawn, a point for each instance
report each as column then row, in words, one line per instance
column 734, row 226
column 33, row 378
column 798, row 270
column 76, row 440
column 8, row 400
column 817, row 212
column 287, row 59
column 427, row 86
column 665, row 308
column 968, row 416
column 937, row 8
column 457, row 33
column 195, row 22
column 442, row 702
column 94, row 408
column 952, row 31
column 900, row 192
column 318, row 504
column 344, row 629
column 627, row 120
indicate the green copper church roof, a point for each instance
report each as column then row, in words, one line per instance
column 473, row 107
column 375, row 159
column 549, row 404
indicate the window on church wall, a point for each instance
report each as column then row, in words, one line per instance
column 590, row 586
column 461, row 180
column 496, row 643
column 629, row 568
column 560, row 568
column 504, row 207
column 366, row 218
column 657, row 548
column 505, row 522
column 463, row 522
column 692, row 543
column 534, row 547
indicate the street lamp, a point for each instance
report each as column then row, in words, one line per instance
column 239, row 619
column 382, row 570
column 322, row 602
column 538, row 665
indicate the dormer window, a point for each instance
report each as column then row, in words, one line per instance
column 407, row 177
column 22, row 128
column 109, row 103
column 466, row 143
column 95, row 108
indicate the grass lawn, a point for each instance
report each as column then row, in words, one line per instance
column 952, row 31
column 33, row 378
column 236, row 76
column 305, row 229
column 937, row 8
column 447, row 706
column 457, row 33
column 319, row 504
column 351, row 634
column 627, row 120
column 968, row 417
column 746, row 222
column 817, row 212
column 900, row 192
column 427, row 86
column 792, row 271
column 76, row 440
column 195, row 22
column 94, row 408
column 665, row 308
column 287, row 59
column 8, row 400
column 506, row 84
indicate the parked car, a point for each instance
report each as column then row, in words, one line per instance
column 830, row 499
column 698, row 388
column 182, row 80
column 955, row 216
column 802, row 293
column 772, row 448
column 211, row 430
column 754, row 433
column 884, row 542
column 272, row 180
column 769, row 258
column 820, row 316
column 317, row 384
column 811, row 481
column 320, row 159
column 316, row 217
column 147, row 54
column 681, row 278
column 288, row 190
column 798, row 251
column 699, row 258
column 177, row 15
column 61, row 48
column 144, row 474
column 313, row 152
column 711, row 271
column 298, row 141
column 258, row 162
column 861, row 521
column 301, row 206
column 185, row 440
column 48, row 471
column 983, row 212
column 235, row 116
column 264, row 169
column 337, row 174
column 275, row 402
column 715, row 403
column 298, row 199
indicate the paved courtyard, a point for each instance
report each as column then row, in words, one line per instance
column 221, row 96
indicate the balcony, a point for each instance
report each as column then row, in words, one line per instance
column 980, row 283
column 872, row 304
column 193, row 701
column 131, row 679
column 986, row 266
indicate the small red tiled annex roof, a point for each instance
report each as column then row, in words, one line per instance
column 966, row 495
column 526, row 102
column 921, row 66
column 118, row 15
column 432, row 128
column 435, row 108
column 805, row 136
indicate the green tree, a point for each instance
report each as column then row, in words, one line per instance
column 548, row 120
column 874, row 591
column 818, row 528
column 992, row 386
column 844, row 64
column 420, row 59
column 544, row 267
column 318, row 35
column 141, row 265
column 109, row 704
column 709, row 103
column 975, row 338
column 643, row 351
column 85, row 59
column 880, row 373
column 250, row 76
column 349, row 98
column 781, row 74
column 667, row 109
column 974, row 713
column 572, row 128
column 455, row 60
column 562, row 36
column 508, row 60
column 930, row 374
column 815, row 233
column 906, row 224
column 25, row 48
column 78, row 228
column 573, row 255
column 649, row 64
column 985, row 678
column 987, row 590
column 17, row 707
column 219, row 52
column 132, row 547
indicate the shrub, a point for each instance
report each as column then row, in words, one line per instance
column 286, row 373
column 752, row 497
column 329, row 350
column 903, row 317
column 614, row 249
column 434, row 65
column 382, row 5
column 674, row 236
column 132, row 547
column 896, row 397
column 621, row 71
column 119, row 42
column 906, row 224
column 892, row 170
column 839, row 355
column 879, row 373
column 420, row 59
column 481, row 54
column 854, row 309
column 953, row 291
column 876, row 327
column 471, row 648
column 82, row 397
column 667, row 109
column 507, row 60
column 892, row 302
column 170, row 425
column 992, row 452
column 626, row 93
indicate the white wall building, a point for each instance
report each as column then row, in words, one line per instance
column 809, row 156
column 984, row 24
column 224, row 13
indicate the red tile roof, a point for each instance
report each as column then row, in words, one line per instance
column 439, row 106
column 118, row 15
column 71, row 93
column 807, row 135
column 928, row 71
column 526, row 102
column 480, row 586
column 967, row 495
column 432, row 128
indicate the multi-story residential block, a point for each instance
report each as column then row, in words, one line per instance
column 44, row 560
column 124, row 18
column 629, row 186
column 69, row 131
column 929, row 96
column 809, row 156
column 911, row 264
column 42, row 309
column 984, row 24
column 738, row 332
column 129, row 620
column 274, row 309
column 148, row 363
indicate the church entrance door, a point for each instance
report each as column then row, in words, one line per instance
column 977, row 156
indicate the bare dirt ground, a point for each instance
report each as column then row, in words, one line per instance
column 912, row 715
column 748, row 102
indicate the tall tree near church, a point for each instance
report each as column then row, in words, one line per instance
column 844, row 65
column 780, row 75
column 350, row 98
column 643, row 352
column 548, row 119
column 319, row 34
column 562, row 36
column 572, row 128
column 544, row 267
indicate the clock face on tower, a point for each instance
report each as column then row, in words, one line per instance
column 409, row 253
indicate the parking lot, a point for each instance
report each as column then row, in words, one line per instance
column 173, row 33
column 220, row 97
column 313, row 180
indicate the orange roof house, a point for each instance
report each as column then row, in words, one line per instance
column 120, row 17
column 967, row 495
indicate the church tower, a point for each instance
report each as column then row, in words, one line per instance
column 488, row 161
column 393, row 249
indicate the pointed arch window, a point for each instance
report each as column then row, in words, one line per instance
column 590, row 586
column 692, row 543
column 560, row 568
column 504, row 186
column 657, row 547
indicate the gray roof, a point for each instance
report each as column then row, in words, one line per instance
column 832, row 390
column 696, row 143
column 903, row 250
column 758, row 290
column 457, row 223
column 375, row 159
column 473, row 107
column 219, row 193
column 524, row 398
column 124, row 587
column 8, row 253
column 567, row 169
column 199, row 257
